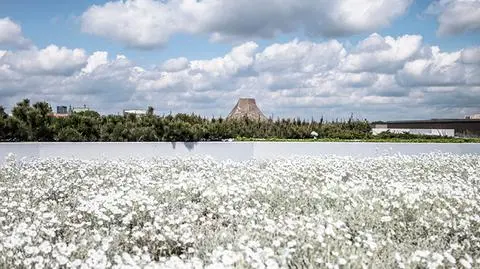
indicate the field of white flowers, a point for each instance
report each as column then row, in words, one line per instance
column 387, row 212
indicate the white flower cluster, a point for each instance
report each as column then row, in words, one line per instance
column 387, row 212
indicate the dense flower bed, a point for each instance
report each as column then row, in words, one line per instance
column 387, row 212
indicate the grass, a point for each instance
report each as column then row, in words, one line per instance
column 369, row 140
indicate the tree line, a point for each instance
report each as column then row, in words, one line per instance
column 35, row 122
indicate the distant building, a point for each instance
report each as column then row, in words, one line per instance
column 246, row 108
column 462, row 127
column 79, row 109
column 429, row 132
column 137, row 112
column 473, row 117
column 62, row 110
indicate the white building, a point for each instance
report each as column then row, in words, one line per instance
column 473, row 117
column 138, row 112
column 432, row 132
column 80, row 109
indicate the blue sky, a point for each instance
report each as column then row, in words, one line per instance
column 418, row 59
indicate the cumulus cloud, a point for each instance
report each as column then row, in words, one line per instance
column 112, row 81
column 294, row 56
column 296, row 78
column 52, row 60
column 96, row 60
column 359, row 80
column 456, row 16
column 150, row 23
column 101, row 85
column 382, row 54
column 175, row 65
column 11, row 34
column 469, row 55
column 240, row 58
column 442, row 69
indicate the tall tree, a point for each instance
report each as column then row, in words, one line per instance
column 41, row 122
column 21, row 110
column 19, row 124
column 3, row 118
column 3, row 114
column 150, row 111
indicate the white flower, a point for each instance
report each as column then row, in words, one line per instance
column 329, row 230
column 97, row 237
column 386, row 219
column 342, row 261
column 45, row 247
column 194, row 213
column 31, row 250
column 77, row 263
column 449, row 257
column 422, row 253
column 271, row 264
column 215, row 266
column 465, row 263
column 228, row 259
column 62, row 260
column 291, row 244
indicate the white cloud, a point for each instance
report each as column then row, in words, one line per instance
column 240, row 58
column 442, row 69
column 382, row 54
column 7, row 74
column 11, row 34
column 357, row 79
column 106, row 88
column 471, row 55
column 52, row 60
column 296, row 78
column 97, row 59
column 150, row 23
column 175, row 65
column 141, row 23
column 111, row 81
column 456, row 16
column 294, row 56
column 215, row 74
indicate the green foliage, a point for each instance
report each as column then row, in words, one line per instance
column 36, row 123
column 3, row 114
column 28, row 123
column 372, row 139
column 41, row 122
column 3, row 118
column 69, row 134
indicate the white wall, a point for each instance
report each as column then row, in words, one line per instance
column 236, row 151
column 88, row 151
column 354, row 149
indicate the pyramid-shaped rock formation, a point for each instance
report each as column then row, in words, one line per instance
column 246, row 107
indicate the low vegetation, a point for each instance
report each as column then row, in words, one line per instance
column 384, row 212
column 371, row 139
